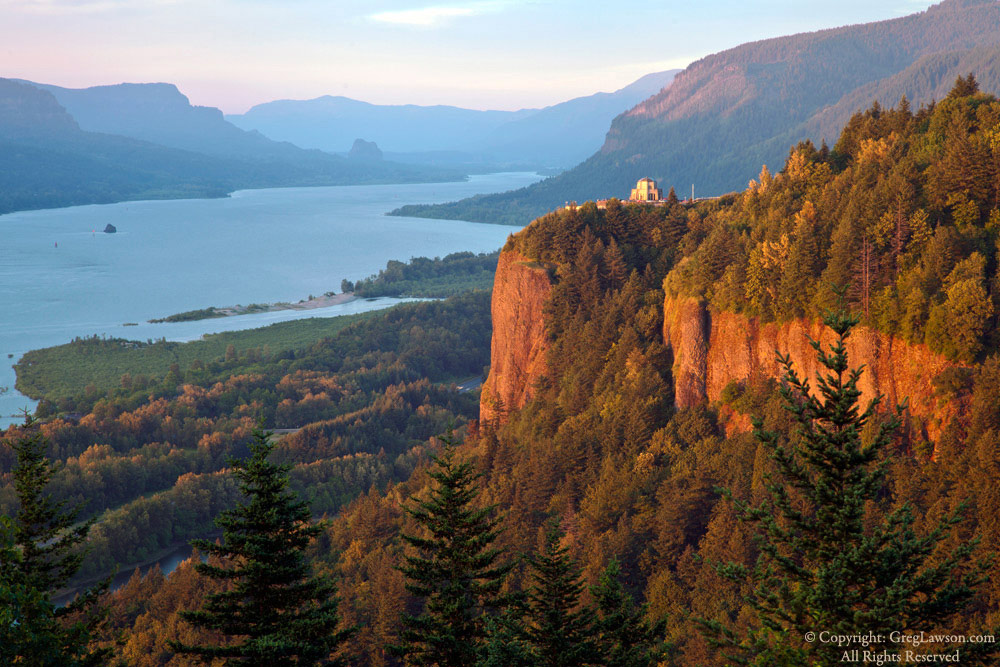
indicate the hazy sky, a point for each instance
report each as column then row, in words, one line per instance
column 498, row 54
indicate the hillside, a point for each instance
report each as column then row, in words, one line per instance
column 659, row 328
column 49, row 159
column 630, row 349
column 564, row 134
column 556, row 136
column 46, row 160
column 730, row 112
column 160, row 114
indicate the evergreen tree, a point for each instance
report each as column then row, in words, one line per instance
column 964, row 86
column 43, row 549
column 828, row 562
column 274, row 610
column 455, row 570
column 506, row 644
column 626, row 638
column 616, row 268
column 29, row 631
column 558, row 628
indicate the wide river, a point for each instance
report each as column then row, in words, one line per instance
column 62, row 277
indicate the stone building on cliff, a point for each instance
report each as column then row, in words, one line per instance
column 646, row 191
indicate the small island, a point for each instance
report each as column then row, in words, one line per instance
column 110, row 229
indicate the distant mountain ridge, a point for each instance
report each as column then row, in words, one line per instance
column 26, row 112
column 145, row 141
column 332, row 123
column 730, row 112
column 558, row 135
column 159, row 113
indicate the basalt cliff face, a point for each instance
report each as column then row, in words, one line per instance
column 710, row 350
column 520, row 343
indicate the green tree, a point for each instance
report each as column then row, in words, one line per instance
column 274, row 610
column 964, row 86
column 558, row 628
column 830, row 562
column 29, row 631
column 506, row 644
column 455, row 571
column 625, row 637
column 43, row 548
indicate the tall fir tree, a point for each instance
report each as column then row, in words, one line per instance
column 456, row 571
column 672, row 198
column 274, row 610
column 506, row 644
column 558, row 627
column 830, row 562
column 43, row 548
column 625, row 637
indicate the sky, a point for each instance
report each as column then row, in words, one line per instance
column 483, row 54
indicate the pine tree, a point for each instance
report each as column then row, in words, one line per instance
column 964, row 86
column 828, row 562
column 275, row 611
column 456, row 570
column 802, row 266
column 29, row 631
column 625, row 637
column 616, row 268
column 558, row 628
column 44, row 548
column 506, row 645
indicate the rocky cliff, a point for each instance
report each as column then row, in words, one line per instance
column 710, row 350
column 520, row 344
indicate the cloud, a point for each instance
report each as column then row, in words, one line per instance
column 432, row 17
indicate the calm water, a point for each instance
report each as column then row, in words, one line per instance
column 62, row 277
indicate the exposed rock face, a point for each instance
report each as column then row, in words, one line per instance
column 520, row 344
column 110, row 229
column 367, row 151
column 710, row 350
column 713, row 349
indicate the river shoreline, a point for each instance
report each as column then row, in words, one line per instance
column 123, row 573
column 312, row 303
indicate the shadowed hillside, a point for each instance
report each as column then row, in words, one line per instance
column 146, row 142
column 730, row 112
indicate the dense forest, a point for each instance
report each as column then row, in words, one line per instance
column 601, row 445
column 609, row 493
column 425, row 277
column 148, row 456
column 732, row 111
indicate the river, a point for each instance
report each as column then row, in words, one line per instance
column 61, row 276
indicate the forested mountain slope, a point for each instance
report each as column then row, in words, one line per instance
column 603, row 414
column 730, row 112
column 612, row 434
